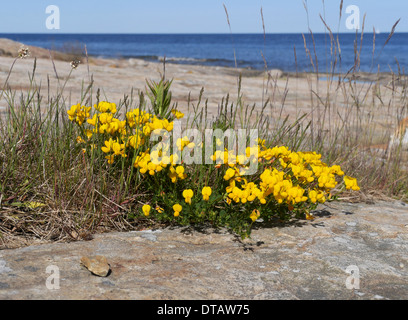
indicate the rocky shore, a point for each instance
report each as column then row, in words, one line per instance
column 350, row 251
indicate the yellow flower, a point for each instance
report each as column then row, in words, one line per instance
column 135, row 141
column 351, row 183
column 92, row 121
column 110, row 158
column 231, row 186
column 313, row 196
column 118, row 149
column 173, row 175
column 206, row 192
column 174, row 158
column 80, row 140
column 105, row 118
column 78, row 113
column 159, row 209
column 337, row 170
column 104, row 106
column 177, row 209
column 180, row 172
column 137, row 117
column 151, row 167
column 146, row 210
column 255, row 215
column 88, row 134
column 236, row 194
column 188, row 194
column 108, row 146
column 309, row 216
column 177, row 113
column 316, row 196
column 72, row 112
column 229, row 174
column 182, row 142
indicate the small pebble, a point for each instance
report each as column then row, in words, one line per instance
column 97, row 265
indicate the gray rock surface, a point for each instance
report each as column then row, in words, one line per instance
column 298, row 260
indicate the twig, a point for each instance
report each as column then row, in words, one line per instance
column 119, row 206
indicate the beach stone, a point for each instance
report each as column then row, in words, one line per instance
column 98, row 265
column 296, row 260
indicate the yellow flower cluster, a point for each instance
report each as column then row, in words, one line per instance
column 286, row 180
column 177, row 173
column 105, row 106
column 117, row 148
column 144, row 163
column 249, row 192
column 181, row 143
column 229, row 157
column 136, row 117
column 148, row 162
column 351, row 183
column 156, row 123
column 78, row 113
column 122, row 134
column 106, row 123
column 288, row 177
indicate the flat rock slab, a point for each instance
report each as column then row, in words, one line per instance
column 299, row 260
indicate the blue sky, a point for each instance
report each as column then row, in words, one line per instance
column 192, row 16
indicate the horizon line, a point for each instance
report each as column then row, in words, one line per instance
column 190, row 33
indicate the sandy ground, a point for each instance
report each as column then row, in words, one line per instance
column 326, row 102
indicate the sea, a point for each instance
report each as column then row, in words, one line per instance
column 287, row 52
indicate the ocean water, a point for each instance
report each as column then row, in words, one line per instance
column 252, row 51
